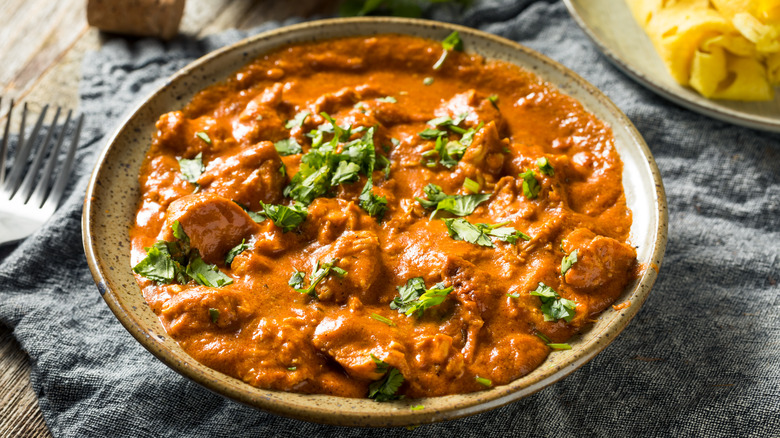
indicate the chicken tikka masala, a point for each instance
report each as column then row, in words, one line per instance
column 380, row 217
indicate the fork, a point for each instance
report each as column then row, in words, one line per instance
column 28, row 197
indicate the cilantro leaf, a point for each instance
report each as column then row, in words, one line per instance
column 284, row 217
column 531, row 186
column 484, row 381
column 320, row 272
column 431, row 133
column 298, row 120
column 385, row 389
column 428, row 80
column 553, row 306
column 382, row 319
column 206, row 274
column 213, row 315
column 287, row 147
column 373, row 204
column 414, row 298
column 203, row 136
column 346, row 172
column 459, row 205
column 255, row 216
column 452, row 42
column 493, row 98
column 545, row 167
column 471, row 185
column 568, row 261
column 157, row 265
column 381, row 366
column 387, row 99
column 461, row 229
column 236, row 250
column 192, row 169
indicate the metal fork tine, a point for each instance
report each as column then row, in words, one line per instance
column 23, row 193
column 62, row 178
column 39, row 195
column 4, row 145
column 23, row 153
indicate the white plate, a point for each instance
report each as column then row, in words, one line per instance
column 610, row 24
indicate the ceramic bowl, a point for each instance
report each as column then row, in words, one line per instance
column 113, row 193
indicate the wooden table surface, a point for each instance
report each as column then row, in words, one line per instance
column 42, row 44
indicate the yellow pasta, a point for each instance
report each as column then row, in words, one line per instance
column 724, row 49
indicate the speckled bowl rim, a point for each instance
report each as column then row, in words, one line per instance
column 364, row 412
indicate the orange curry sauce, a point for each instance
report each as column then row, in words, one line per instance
column 272, row 336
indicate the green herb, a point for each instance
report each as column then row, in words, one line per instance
column 531, row 186
column 298, row 120
column 157, row 265
column 192, row 169
column 568, row 261
column 545, row 167
column 432, row 133
column 320, row 272
column 414, row 298
column 468, row 136
column 452, row 42
column 214, row 315
column 382, row 319
column 428, row 81
column 513, row 295
column 543, row 337
column 206, row 274
column 459, row 205
column 373, row 204
column 292, row 368
column 203, row 136
column 387, row 99
column 471, row 185
column 287, row 147
column 386, row 388
column 493, row 98
column 236, row 250
column 381, row 366
column 553, row 306
column 255, row 216
column 286, row 218
column 450, row 123
column 166, row 262
column 345, row 172
column 461, row 229
column 417, row 407
column 559, row 346
column 487, row 383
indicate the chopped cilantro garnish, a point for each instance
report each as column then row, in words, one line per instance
column 471, row 185
column 553, row 306
column 288, row 146
column 214, row 315
column 493, row 98
column 206, row 274
column 428, row 80
column 382, row 319
column 568, row 261
column 513, row 295
column 203, row 136
column 459, row 205
column 387, row 99
column 381, row 366
column 385, row 389
column 166, row 262
column 478, row 234
column 320, row 272
column 292, row 368
column 543, row 337
column 373, row 204
column 414, row 298
column 452, row 42
column 345, row 172
column 487, row 383
column 559, row 346
column 192, row 169
column 417, row 407
column 236, row 250
column 297, row 120
column 531, row 186
column 449, row 152
column 284, row 217
column 545, row 167
column 432, row 133
column 255, row 216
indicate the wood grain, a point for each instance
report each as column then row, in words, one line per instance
column 42, row 44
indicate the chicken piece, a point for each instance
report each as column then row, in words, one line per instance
column 600, row 259
column 351, row 341
column 345, row 97
column 358, row 253
column 484, row 159
column 248, row 175
column 214, row 224
column 260, row 119
column 188, row 312
column 511, row 357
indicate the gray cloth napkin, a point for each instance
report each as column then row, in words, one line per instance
column 702, row 358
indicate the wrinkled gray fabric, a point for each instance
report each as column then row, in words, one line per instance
column 702, row 358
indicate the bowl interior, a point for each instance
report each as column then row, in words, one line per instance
column 113, row 192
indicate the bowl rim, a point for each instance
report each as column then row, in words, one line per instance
column 489, row 399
